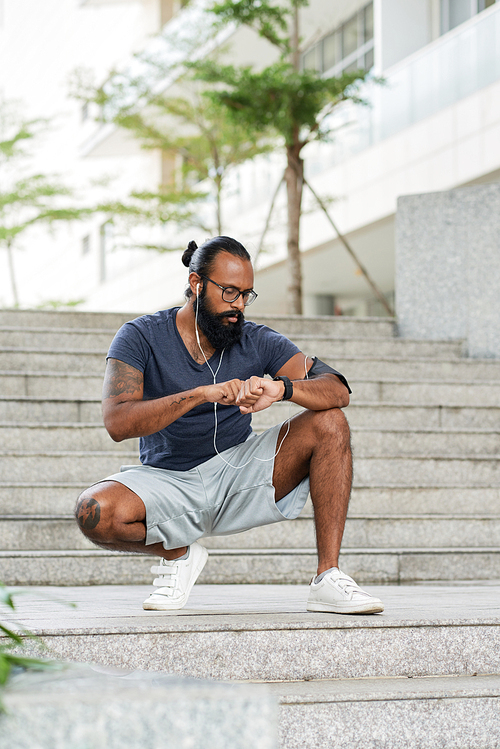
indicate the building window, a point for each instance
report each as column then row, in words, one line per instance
column 455, row 12
column 86, row 244
column 347, row 48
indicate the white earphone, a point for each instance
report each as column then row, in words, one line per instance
column 214, row 376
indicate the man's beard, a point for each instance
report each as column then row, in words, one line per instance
column 219, row 334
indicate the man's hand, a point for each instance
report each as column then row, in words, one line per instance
column 258, row 393
column 225, row 393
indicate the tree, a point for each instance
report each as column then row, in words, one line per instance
column 192, row 131
column 281, row 100
column 26, row 198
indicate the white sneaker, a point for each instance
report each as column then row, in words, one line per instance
column 175, row 579
column 339, row 594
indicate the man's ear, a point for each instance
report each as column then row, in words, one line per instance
column 195, row 283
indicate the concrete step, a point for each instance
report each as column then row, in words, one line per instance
column 39, row 532
column 52, row 498
column 428, row 392
column 56, row 409
column 26, row 318
column 265, row 634
column 287, row 324
column 87, row 467
column 365, row 441
column 326, row 346
column 380, row 415
column 58, row 339
column 401, row 415
column 427, row 471
column 64, row 708
column 252, row 566
column 29, row 360
column 46, row 384
column 424, row 500
column 335, row 327
column 409, row 471
column 383, row 368
column 50, row 436
column 418, row 713
column 423, row 674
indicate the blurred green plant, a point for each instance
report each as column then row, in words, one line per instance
column 14, row 640
column 199, row 143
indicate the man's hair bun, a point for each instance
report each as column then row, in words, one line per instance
column 188, row 254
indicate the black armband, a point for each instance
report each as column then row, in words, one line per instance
column 319, row 367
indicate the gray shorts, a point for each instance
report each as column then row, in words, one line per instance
column 213, row 499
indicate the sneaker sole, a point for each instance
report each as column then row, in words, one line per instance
column 174, row 606
column 347, row 608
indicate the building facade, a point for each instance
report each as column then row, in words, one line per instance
column 433, row 125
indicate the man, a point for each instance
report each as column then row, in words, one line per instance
column 186, row 381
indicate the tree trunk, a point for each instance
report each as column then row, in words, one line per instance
column 294, row 174
column 12, row 274
column 294, row 178
column 218, row 209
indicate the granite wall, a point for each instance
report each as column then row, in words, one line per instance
column 448, row 267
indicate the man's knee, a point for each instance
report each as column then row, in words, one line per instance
column 94, row 513
column 332, row 425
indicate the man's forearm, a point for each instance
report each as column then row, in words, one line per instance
column 139, row 418
column 320, row 393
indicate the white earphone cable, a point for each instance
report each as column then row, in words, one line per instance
column 214, row 375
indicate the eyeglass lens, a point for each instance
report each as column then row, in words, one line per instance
column 231, row 293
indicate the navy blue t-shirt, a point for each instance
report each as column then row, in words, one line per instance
column 153, row 345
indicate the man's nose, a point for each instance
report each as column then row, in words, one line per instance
column 238, row 303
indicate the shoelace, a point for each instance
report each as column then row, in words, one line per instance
column 348, row 585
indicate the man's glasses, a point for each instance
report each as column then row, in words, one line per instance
column 231, row 293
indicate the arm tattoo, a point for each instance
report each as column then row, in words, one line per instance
column 88, row 513
column 184, row 398
column 122, row 379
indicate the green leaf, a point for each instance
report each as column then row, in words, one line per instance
column 14, row 636
column 5, row 668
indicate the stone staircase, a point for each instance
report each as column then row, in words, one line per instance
column 426, row 498
column 422, row 675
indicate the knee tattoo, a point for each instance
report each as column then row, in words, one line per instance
column 88, row 513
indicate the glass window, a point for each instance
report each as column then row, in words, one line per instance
column 332, row 53
column 368, row 22
column 86, row 244
column 460, row 11
column 483, row 4
column 350, row 36
column 310, row 61
column 369, row 60
column 354, row 34
column 352, row 67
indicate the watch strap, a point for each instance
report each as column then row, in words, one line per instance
column 288, row 387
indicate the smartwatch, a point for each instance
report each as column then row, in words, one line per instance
column 288, row 387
